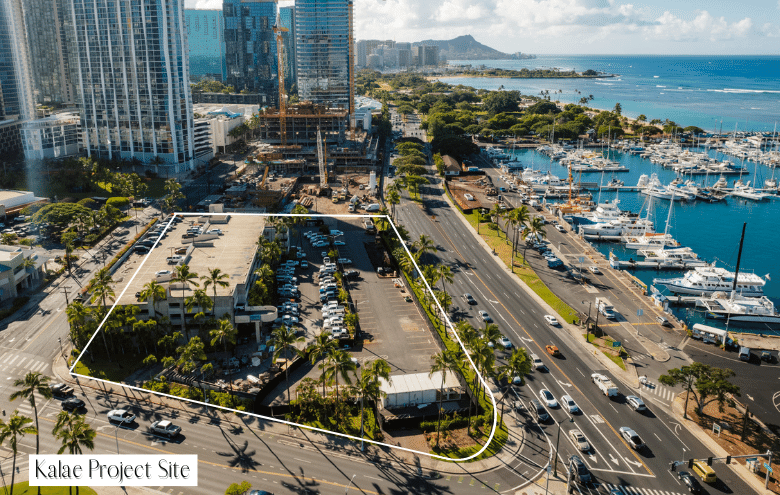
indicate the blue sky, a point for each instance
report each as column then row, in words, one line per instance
column 668, row 27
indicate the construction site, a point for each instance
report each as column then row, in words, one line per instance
column 307, row 151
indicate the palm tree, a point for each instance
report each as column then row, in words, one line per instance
column 393, row 198
column 75, row 433
column 536, row 230
column 153, row 292
column 444, row 362
column 101, row 289
column 424, row 245
column 185, row 277
column 215, row 278
column 31, row 383
column 445, row 275
column 16, row 428
column 284, row 339
column 226, row 334
column 518, row 364
column 491, row 333
column 495, row 214
column 372, row 372
column 518, row 217
column 338, row 364
column 77, row 317
column 199, row 300
column 322, row 347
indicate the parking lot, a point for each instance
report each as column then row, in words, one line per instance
column 392, row 328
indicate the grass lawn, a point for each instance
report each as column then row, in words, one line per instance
column 503, row 248
column 499, row 439
column 156, row 190
column 618, row 360
column 24, row 488
column 117, row 370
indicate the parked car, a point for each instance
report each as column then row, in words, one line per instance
column 122, row 416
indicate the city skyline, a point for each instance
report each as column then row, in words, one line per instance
column 576, row 27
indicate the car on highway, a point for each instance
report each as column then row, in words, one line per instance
column 579, row 440
column 636, row 403
column 73, row 404
column 662, row 321
column 122, row 416
column 551, row 320
column 548, row 398
column 469, row 299
column 537, row 363
column 505, row 342
column 484, row 316
column 594, row 269
column 165, row 428
column 569, row 403
column 689, row 481
column 579, row 469
column 552, row 350
column 259, row 492
column 560, row 228
column 539, row 411
column 61, row 390
column 631, row 437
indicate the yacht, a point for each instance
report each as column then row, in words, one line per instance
column 748, row 192
column 681, row 256
column 722, row 183
column 650, row 240
column 741, row 310
column 710, row 279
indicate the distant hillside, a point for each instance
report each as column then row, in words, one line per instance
column 467, row 48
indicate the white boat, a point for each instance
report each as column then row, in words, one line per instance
column 748, row 192
column 721, row 183
column 710, row 279
column 681, row 256
column 740, row 310
column 650, row 240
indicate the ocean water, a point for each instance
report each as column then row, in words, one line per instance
column 712, row 230
column 712, row 92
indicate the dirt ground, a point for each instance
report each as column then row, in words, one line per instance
column 324, row 205
column 731, row 422
column 473, row 185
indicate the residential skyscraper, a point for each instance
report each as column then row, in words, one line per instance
column 287, row 19
column 133, row 82
column 325, row 52
column 16, row 91
column 250, row 46
column 49, row 37
column 206, row 36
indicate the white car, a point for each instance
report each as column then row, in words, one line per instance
column 560, row 228
column 579, row 440
column 289, row 320
column 548, row 398
column 121, row 416
column 631, row 437
column 551, row 320
column 505, row 342
column 484, row 316
column 594, row 269
column 567, row 401
column 635, row 403
column 537, row 363
column 215, row 231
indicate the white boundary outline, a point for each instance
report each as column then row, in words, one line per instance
column 290, row 423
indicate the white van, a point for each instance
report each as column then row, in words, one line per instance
column 373, row 207
column 744, row 353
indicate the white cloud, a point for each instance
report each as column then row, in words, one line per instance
column 703, row 26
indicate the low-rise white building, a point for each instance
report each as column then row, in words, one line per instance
column 17, row 273
column 55, row 136
column 418, row 389
column 222, row 119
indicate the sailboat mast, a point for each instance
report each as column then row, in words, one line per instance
column 669, row 216
column 739, row 258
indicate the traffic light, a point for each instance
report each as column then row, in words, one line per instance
column 709, row 461
column 690, row 463
column 728, row 459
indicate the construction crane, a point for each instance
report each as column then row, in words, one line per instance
column 278, row 30
column 321, row 157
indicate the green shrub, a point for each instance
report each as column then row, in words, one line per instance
column 119, row 202
column 238, row 489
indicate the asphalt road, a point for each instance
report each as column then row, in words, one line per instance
column 521, row 319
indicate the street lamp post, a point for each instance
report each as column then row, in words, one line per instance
column 116, row 437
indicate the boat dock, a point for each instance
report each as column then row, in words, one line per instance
column 633, row 264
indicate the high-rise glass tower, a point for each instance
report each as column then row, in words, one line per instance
column 325, row 51
column 133, row 82
column 16, row 93
column 250, row 46
column 205, row 32
column 287, row 20
column 49, row 36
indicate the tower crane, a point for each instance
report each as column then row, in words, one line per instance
column 278, row 30
column 322, row 162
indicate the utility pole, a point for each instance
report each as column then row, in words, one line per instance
column 65, row 290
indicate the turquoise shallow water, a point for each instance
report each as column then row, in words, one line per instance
column 712, row 230
column 691, row 90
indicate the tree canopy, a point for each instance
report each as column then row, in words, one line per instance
column 501, row 101
column 60, row 214
column 710, row 384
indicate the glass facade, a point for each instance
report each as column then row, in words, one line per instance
column 250, row 46
column 205, row 32
column 287, row 20
column 16, row 98
column 323, row 37
column 49, row 34
column 133, row 81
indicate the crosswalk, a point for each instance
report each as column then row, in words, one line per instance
column 666, row 394
column 14, row 363
column 632, row 490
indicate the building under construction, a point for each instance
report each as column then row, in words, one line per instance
column 302, row 121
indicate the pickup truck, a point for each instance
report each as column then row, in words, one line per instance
column 61, row 390
column 165, row 429
column 604, row 384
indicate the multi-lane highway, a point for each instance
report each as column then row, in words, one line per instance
column 521, row 317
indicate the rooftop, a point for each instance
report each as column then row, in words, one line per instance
column 232, row 252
